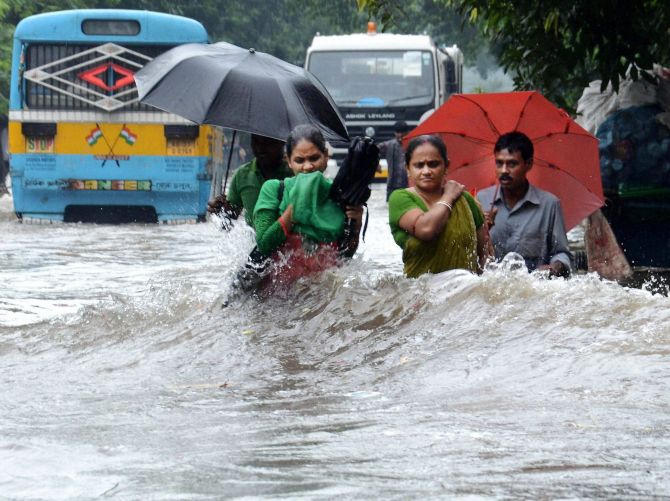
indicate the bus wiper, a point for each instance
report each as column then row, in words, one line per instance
column 407, row 98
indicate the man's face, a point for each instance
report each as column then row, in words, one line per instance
column 268, row 151
column 511, row 169
column 400, row 136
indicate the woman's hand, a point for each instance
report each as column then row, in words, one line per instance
column 452, row 190
column 286, row 219
column 355, row 212
column 288, row 214
column 349, row 243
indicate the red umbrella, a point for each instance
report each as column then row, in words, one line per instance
column 566, row 161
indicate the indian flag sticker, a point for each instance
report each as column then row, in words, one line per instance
column 128, row 136
column 93, row 137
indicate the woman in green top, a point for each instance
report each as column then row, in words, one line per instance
column 438, row 224
column 296, row 220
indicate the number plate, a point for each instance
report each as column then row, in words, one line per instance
column 181, row 147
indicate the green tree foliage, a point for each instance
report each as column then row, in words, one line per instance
column 558, row 46
column 446, row 26
column 5, row 55
column 283, row 28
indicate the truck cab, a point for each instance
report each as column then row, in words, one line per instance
column 377, row 79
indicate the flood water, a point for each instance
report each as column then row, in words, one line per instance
column 124, row 378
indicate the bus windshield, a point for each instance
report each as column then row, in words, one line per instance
column 376, row 78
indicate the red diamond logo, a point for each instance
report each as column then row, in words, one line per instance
column 120, row 76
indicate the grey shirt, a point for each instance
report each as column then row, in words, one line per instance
column 534, row 228
column 395, row 159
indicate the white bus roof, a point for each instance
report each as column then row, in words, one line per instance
column 374, row 41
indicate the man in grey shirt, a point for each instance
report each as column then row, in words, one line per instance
column 523, row 218
column 395, row 158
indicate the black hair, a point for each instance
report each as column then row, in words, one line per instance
column 309, row 133
column 401, row 126
column 515, row 141
column 434, row 140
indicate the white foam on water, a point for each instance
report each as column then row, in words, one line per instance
column 123, row 374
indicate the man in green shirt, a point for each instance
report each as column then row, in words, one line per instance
column 268, row 163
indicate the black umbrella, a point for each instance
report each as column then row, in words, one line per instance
column 351, row 185
column 222, row 84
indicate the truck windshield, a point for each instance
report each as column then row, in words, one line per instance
column 376, row 78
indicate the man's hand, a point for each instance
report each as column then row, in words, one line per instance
column 490, row 217
column 220, row 205
column 556, row 269
column 224, row 209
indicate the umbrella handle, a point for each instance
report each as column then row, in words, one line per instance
column 349, row 227
column 495, row 195
column 230, row 156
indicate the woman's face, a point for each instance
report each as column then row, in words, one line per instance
column 427, row 168
column 306, row 157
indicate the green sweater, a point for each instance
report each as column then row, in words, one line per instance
column 246, row 185
column 315, row 215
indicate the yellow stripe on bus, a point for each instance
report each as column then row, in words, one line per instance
column 109, row 139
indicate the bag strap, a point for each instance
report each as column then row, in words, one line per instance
column 280, row 192
column 367, row 217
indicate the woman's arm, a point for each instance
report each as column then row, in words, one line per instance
column 271, row 228
column 427, row 226
column 269, row 233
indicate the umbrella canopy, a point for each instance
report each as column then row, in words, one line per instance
column 565, row 162
column 222, row 84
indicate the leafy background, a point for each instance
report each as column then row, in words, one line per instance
column 555, row 46
column 283, row 28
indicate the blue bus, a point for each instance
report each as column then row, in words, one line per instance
column 82, row 148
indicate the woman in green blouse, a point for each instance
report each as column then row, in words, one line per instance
column 296, row 221
column 437, row 223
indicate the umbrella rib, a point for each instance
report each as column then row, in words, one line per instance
column 267, row 73
column 563, row 133
column 468, row 165
column 232, row 65
column 494, row 129
column 471, row 139
column 523, row 110
column 548, row 165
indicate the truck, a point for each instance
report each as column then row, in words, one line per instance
column 377, row 79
